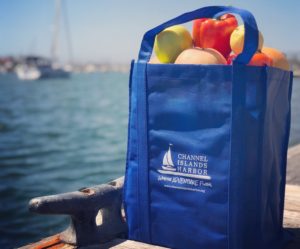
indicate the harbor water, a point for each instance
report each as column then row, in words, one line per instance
column 62, row 135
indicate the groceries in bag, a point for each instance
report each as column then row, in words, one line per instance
column 213, row 41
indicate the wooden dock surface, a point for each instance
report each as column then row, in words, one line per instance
column 291, row 215
column 293, row 166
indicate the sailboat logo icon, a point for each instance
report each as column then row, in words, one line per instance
column 168, row 168
column 167, row 161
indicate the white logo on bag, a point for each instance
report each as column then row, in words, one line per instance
column 193, row 166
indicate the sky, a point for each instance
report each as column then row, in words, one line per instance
column 111, row 30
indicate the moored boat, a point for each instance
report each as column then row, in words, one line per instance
column 35, row 67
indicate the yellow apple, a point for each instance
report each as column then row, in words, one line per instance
column 171, row 42
column 237, row 40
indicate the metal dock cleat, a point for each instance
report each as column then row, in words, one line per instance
column 96, row 213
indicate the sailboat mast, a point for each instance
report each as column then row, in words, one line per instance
column 56, row 28
column 67, row 30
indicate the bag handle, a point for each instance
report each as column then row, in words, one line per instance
column 251, row 31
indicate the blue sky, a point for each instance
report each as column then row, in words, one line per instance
column 111, row 30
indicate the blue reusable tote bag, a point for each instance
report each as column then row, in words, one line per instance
column 207, row 148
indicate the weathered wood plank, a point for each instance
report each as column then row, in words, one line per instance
column 53, row 242
column 291, row 219
column 293, row 165
column 292, row 198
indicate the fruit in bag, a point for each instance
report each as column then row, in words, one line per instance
column 279, row 59
column 237, row 40
column 202, row 56
column 171, row 42
column 214, row 33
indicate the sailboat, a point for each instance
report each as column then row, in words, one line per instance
column 37, row 67
column 167, row 161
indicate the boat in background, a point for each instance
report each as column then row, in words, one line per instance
column 38, row 67
column 35, row 67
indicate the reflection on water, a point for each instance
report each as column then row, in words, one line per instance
column 61, row 135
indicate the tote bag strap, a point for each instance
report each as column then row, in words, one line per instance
column 251, row 31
